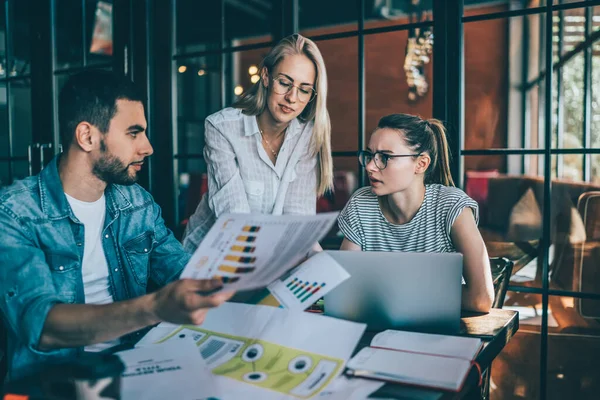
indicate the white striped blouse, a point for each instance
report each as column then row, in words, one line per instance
column 363, row 223
column 242, row 179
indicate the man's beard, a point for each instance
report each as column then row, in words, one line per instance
column 111, row 169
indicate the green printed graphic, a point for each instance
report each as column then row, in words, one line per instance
column 263, row 364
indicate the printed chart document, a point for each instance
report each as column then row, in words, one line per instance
column 249, row 251
column 165, row 371
column 261, row 352
column 422, row 359
column 304, row 285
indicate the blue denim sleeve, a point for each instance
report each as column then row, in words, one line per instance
column 168, row 258
column 26, row 284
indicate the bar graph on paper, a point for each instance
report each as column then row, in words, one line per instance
column 310, row 281
column 239, row 259
column 303, row 290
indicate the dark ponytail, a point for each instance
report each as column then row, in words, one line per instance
column 424, row 136
column 441, row 171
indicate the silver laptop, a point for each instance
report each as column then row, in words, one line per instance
column 392, row 290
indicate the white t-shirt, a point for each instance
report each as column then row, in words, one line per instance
column 94, row 266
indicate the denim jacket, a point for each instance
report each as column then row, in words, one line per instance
column 41, row 250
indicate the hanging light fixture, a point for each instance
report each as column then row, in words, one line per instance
column 418, row 51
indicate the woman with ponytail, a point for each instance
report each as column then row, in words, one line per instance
column 270, row 152
column 412, row 204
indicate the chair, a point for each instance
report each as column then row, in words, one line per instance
column 587, row 255
column 501, row 271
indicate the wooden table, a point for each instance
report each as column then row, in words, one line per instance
column 495, row 329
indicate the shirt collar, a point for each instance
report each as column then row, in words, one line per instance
column 54, row 202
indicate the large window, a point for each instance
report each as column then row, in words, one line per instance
column 530, row 158
column 15, row 91
column 82, row 39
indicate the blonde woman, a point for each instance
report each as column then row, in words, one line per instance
column 270, row 153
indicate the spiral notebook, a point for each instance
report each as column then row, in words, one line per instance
column 420, row 359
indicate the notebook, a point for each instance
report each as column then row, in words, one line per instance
column 420, row 359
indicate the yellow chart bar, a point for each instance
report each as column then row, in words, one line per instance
column 248, row 239
column 243, row 249
column 235, row 270
column 240, row 259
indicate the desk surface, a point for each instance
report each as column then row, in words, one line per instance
column 495, row 329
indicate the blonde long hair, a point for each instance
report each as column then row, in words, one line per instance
column 254, row 101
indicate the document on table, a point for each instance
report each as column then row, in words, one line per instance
column 310, row 281
column 261, row 352
column 249, row 251
column 165, row 371
column 421, row 359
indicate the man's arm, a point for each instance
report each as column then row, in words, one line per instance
column 78, row 325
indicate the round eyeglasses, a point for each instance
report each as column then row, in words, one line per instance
column 282, row 85
column 381, row 159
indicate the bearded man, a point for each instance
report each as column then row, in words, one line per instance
column 81, row 242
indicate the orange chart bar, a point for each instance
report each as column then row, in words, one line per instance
column 240, row 259
column 248, row 239
column 235, row 270
column 243, row 249
column 249, row 228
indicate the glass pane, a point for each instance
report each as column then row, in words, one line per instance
column 192, row 185
column 569, row 32
column 341, row 60
column 20, row 59
column 566, row 1
column 516, row 370
column 574, row 349
column 495, row 116
column 249, row 22
column 99, row 20
column 4, row 174
column 244, row 72
column 318, row 17
column 20, row 170
column 4, row 138
column 20, row 105
column 595, row 164
column 3, row 66
column 345, row 182
column 510, row 211
column 595, row 111
column 197, row 25
column 575, row 236
column 198, row 95
column 69, row 33
column 390, row 13
column 478, row 7
column 395, row 83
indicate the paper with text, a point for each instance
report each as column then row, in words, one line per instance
column 249, row 251
column 166, row 371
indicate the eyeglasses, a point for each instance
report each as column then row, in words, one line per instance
column 282, row 85
column 381, row 159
